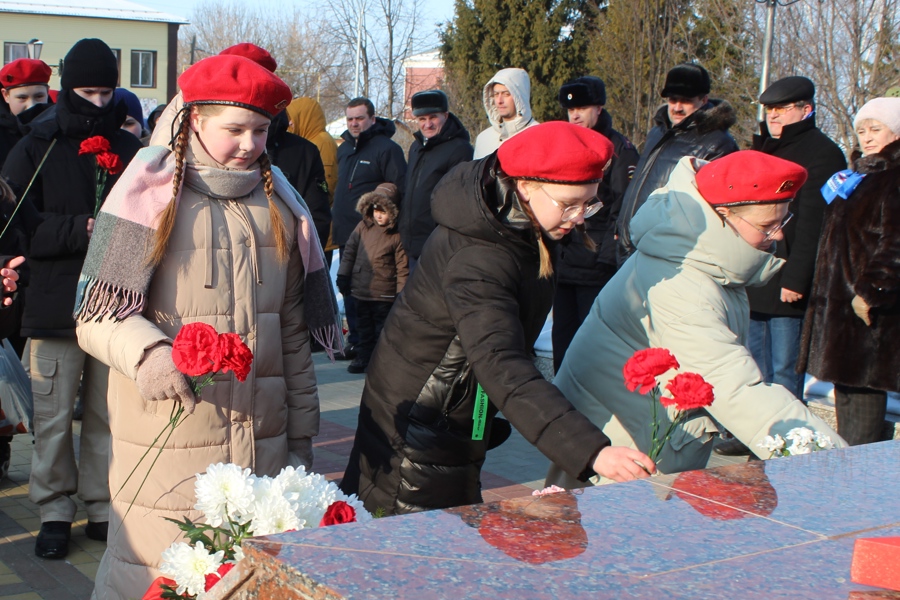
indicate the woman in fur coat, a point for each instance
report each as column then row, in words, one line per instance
column 852, row 329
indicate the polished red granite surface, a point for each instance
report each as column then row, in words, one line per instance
column 783, row 528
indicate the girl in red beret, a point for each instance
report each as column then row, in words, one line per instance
column 701, row 240
column 203, row 232
column 457, row 345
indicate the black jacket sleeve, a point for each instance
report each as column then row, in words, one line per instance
column 316, row 195
column 482, row 304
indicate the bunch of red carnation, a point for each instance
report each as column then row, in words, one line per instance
column 688, row 390
column 199, row 352
column 108, row 163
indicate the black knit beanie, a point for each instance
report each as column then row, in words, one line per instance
column 90, row 63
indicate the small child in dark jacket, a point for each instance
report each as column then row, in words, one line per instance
column 373, row 267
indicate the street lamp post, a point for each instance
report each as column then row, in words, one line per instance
column 767, row 47
column 34, row 48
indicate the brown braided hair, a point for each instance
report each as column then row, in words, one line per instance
column 279, row 230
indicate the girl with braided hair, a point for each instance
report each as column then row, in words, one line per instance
column 205, row 232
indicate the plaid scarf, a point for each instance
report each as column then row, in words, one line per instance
column 117, row 273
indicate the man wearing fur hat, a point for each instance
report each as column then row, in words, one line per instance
column 507, row 102
column 581, row 271
column 373, row 268
column 689, row 124
column 441, row 143
column 64, row 192
column 777, row 308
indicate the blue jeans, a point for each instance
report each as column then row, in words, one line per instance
column 775, row 345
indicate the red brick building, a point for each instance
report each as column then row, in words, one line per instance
column 424, row 71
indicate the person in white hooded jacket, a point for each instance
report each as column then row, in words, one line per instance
column 507, row 102
column 701, row 240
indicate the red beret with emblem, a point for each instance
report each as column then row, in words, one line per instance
column 749, row 177
column 236, row 81
column 258, row 55
column 556, row 152
column 24, row 71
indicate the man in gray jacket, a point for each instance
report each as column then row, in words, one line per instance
column 507, row 102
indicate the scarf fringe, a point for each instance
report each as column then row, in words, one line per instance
column 331, row 338
column 102, row 299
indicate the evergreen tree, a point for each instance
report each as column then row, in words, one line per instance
column 547, row 38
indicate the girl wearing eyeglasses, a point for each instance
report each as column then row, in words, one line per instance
column 457, row 345
column 853, row 320
column 701, row 240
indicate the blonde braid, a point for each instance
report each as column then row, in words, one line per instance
column 167, row 218
column 279, row 229
column 546, row 269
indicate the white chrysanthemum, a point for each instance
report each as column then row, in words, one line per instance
column 796, row 449
column 800, row 436
column 189, row 566
column 223, row 492
column 238, row 553
column 773, row 444
column 291, row 482
column 823, row 441
column 274, row 514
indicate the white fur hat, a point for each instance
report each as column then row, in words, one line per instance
column 884, row 110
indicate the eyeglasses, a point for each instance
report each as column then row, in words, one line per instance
column 571, row 212
column 779, row 110
column 771, row 233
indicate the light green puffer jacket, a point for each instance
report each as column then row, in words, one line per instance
column 683, row 290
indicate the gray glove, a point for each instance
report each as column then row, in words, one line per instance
column 158, row 379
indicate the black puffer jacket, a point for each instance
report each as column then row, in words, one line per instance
column 703, row 134
column 299, row 160
column 363, row 163
column 63, row 193
column 429, row 160
column 470, row 312
column 804, row 144
column 576, row 264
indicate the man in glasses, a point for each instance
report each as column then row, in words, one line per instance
column 776, row 317
column 507, row 102
column 689, row 124
column 582, row 272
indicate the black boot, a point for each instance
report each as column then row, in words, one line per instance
column 53, row 540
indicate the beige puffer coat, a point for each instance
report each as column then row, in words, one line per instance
column 221, row 268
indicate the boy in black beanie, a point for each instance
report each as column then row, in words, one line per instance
column 65, row 193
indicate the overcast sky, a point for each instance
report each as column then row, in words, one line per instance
column 435, row 10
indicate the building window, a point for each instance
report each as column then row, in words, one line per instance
column 13, row 51
column 143, row 68
column 118, row 54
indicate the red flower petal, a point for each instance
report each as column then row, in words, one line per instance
column 339, row 512
column 195, row 349
column 689, row 391
column 642, row 369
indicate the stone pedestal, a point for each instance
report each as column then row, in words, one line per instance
column 782, row 528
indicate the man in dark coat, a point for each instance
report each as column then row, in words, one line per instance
column 441, row 143
column 64, row 192
column 582, row 272
column 690, row 124
column 299, row 160
column 367, row 157
column 456, row 347
column 776, row 309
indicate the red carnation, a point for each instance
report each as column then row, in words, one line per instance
column 642, row 369
column 233, row 355
column 155, row 591
column 94, row 145
column 214, row 578
column 195, row 349
column 689, row 390
column 109, row 161
column 339, row 512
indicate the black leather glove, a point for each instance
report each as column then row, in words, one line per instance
column 343, row 284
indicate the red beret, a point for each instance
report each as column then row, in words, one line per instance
column 24, row 71
column 234, row 80
column 254, row 53
column 556, row 152
column 749, row 177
